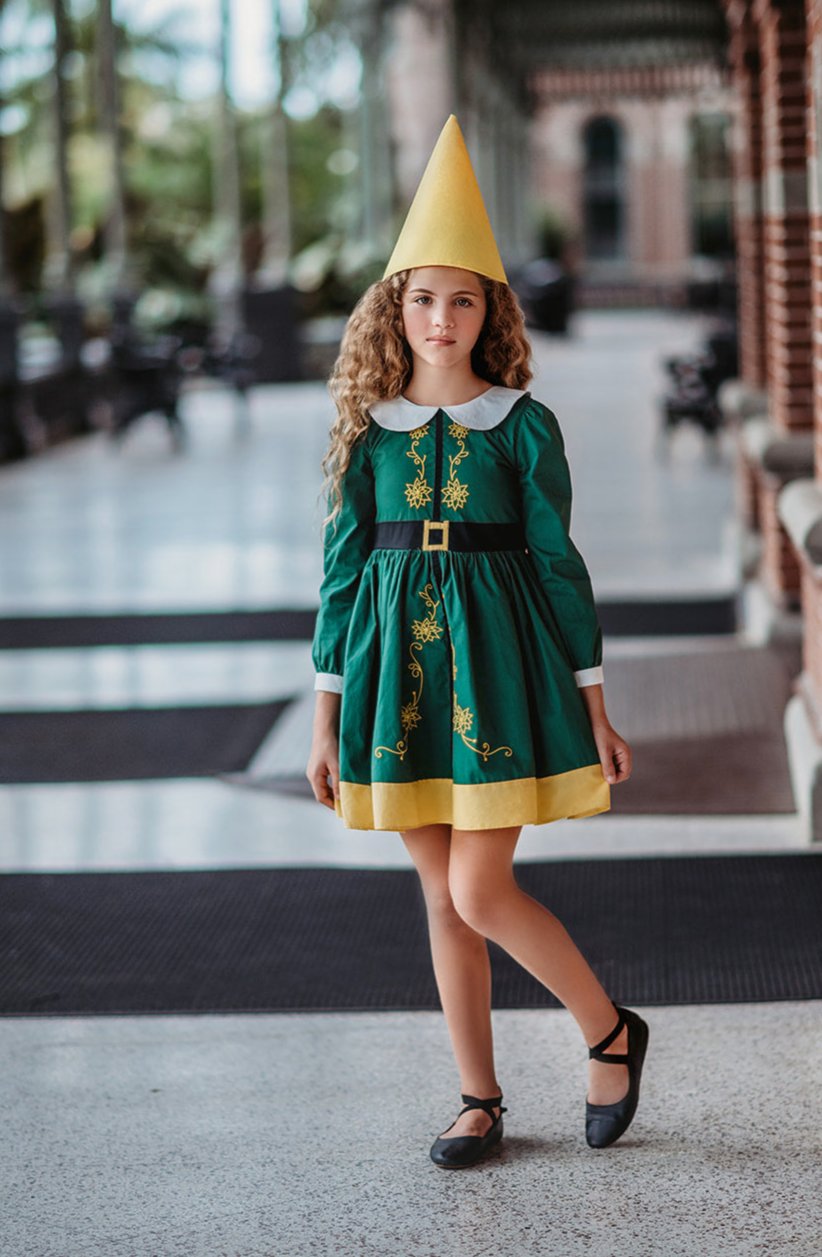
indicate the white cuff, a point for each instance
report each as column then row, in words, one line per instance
column 328, row 681
column 589, row 676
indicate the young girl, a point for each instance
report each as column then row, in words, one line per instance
column 457, row 647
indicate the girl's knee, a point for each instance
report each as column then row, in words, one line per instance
column 441, row 908
column 476, row 902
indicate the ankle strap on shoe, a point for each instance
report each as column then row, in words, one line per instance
column 597, row 1052
column 472, row 1102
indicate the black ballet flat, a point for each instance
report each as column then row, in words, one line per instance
column 604, row 1123
column 461, row 1150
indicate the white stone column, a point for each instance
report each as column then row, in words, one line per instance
column 420, row 91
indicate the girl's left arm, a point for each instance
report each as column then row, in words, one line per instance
column 545, row 484
column 545, row 487
column 614, row 752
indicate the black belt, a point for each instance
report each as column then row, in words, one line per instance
column 446, row 534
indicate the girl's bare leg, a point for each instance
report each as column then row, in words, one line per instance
column 487, row 897
column 463, row 974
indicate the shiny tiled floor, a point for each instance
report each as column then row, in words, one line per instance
column 196, row 824
column 235, row 520
column 102, row 677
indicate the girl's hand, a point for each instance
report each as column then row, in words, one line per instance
column 324, row 762
column 614, row 753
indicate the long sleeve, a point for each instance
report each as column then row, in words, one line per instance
column 545, row 482
column 347, row 543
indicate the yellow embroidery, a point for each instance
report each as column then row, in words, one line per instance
column 455, row 493
column 418, row 491
column 426, row 630
column 463, row 720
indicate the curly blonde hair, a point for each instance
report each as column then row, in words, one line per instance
column 375, row 363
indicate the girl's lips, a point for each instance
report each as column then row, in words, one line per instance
column 440, row 340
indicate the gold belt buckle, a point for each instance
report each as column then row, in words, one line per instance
column 427, row 525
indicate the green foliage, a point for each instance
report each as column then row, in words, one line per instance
column 553, row 231
column 168, row 153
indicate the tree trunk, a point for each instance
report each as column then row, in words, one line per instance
column 275, row 175
column 227, row 276
column 115, row 233
column 58, row 268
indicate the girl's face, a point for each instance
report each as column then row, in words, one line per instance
column 443, row 309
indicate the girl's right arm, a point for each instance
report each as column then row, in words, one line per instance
column 324, row 761
column 347, row 543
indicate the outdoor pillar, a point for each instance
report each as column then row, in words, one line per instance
column 270, row 308
column 116, row 238
column 746, row 159
column 439, row 62
column 227, row 274
column 748, row 206
column 800, row 503
column 274, row 171
column 376, row 204
column 786, row 249
column 768, row 49
column 12, row 441
column 506, row 181
column 786, row 220
column 57, row 267
column 814, row 167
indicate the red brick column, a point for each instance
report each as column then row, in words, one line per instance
column 811, row 590
column 744, row 57
column 780, row 568
column 814, row 140
column 787, row 221
column 768, row 53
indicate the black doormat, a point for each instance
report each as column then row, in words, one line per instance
column 29, row 632
column 133, row 744
column 669, row 617
column 619, row 617
column 674, row 930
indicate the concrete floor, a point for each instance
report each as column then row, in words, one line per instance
column 295, row 1135
column 284, row 1136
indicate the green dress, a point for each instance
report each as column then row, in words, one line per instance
column 460, row 671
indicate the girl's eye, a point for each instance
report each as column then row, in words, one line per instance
column 423, row 297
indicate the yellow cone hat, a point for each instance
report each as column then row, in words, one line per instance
column 447, row 224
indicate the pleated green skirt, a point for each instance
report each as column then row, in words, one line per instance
column 460, row 703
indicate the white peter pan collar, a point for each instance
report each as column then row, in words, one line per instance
column 483, row 412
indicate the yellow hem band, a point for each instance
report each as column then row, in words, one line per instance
column 485, row 805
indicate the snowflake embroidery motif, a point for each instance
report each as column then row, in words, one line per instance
column 457, row 430
column 418, row 492
column 426, row 630
column 455, row 494
column 410, row 716
column 463, row 718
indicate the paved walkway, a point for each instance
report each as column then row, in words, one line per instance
column 288, row 1136
column 308, row 1136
